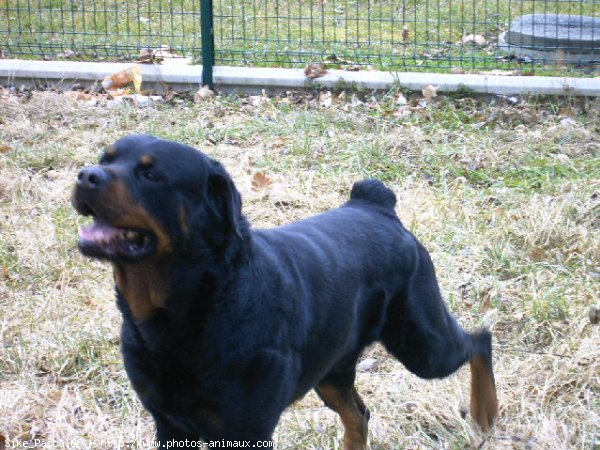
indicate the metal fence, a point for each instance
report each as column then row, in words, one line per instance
column 350, row 34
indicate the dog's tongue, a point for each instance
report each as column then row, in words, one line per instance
column 98, row 232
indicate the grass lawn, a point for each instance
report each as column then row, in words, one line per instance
column 506, row 197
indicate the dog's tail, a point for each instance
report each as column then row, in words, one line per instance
column 373, row 191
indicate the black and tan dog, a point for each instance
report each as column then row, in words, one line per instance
column 224, row 327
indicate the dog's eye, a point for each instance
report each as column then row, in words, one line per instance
column 149, row 173
column 106, row 159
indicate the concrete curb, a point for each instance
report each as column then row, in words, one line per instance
column 66, row 74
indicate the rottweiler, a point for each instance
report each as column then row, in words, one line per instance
column 225, row 326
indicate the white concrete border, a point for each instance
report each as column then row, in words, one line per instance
column 65, row 74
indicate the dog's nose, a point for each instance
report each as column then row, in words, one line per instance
column 92, row 177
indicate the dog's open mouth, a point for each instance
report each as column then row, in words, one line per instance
column 102, row 240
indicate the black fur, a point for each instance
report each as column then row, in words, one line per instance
column 254, row 319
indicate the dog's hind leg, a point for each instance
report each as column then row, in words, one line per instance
column 422, row 334
column 484, row 403
column 339, row 394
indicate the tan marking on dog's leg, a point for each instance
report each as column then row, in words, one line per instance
column 348, row 404
column 484, row 402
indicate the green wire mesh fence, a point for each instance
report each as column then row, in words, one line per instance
column 351, row 34
column 97, row 29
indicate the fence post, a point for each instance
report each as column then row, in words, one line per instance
column 208, row 41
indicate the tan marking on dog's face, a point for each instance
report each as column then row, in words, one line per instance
column 111, row 151
column 143, row 284
column 122, row 211
column 147, row 160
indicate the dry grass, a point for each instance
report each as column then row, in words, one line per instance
column 507, row 198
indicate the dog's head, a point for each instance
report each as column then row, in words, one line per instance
column 149, row 197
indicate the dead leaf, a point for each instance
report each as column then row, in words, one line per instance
column 121, row 92
column 131, row 75
column 83, row 97
column 485, row 297
column 137, row 79
column 325, row 99
column 405, row 33
column 68, row 54
column 402, row 112
column 165, row 52
column 499, row 73
column 2, row 442
column 146, row 56
column 315, row 70
column 143, row 101
column 479, row 40
column 170, row 95
column 430, row 91
column 401, row 99
column 334, row 59
column 203, row 94
column 258, row 100
column 260, row 181
column 475, row 39
column 567, row 111
column 355, row 101
column 167, row 56
column 5, row 148
column 278, row 142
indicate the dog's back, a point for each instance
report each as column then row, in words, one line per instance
column 359, row 241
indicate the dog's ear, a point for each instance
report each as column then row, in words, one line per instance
column 225, row 201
